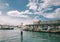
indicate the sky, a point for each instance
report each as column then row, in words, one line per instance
column 15, row 12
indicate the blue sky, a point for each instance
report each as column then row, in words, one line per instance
column 14, row 12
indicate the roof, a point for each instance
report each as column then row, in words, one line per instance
column 57, row 22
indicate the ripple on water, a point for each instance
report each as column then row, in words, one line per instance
column 14, row 36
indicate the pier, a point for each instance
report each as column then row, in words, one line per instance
column 44, row 25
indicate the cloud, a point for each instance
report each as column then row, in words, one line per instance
column 55, row 14
column 13, row 12
column 16, row 13
column 37, row 4
column 36, row 18
column 47, row 6
column 8, row 20
column 36, row 8
column 50, row 3
column 40, row 6
column 32, row 5
column 26, row 12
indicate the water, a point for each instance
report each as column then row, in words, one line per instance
column 15, row 36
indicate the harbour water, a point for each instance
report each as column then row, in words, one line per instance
column 15, row 36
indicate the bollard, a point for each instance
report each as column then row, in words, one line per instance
column 21, row 36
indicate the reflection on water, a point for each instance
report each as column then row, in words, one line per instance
column 15, row 36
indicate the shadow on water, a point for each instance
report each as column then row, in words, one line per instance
column 42, row 37
column 52, row 37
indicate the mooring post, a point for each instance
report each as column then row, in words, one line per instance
column 21, row 36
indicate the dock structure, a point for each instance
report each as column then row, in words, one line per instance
column 45, row 25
